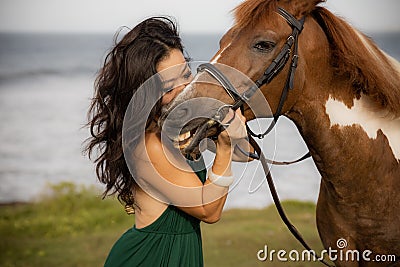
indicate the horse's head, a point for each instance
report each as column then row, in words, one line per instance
column 264, row 45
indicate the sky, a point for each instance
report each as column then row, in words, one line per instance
column 200, row 16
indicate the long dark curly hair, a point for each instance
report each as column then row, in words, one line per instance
column 127, row 66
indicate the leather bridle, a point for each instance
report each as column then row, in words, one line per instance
column 289, row 49
column 269, row 74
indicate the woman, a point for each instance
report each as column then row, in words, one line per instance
column 166, row 231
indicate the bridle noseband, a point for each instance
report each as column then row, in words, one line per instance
column 289, row 48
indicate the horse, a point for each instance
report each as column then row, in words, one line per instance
column 343, row 97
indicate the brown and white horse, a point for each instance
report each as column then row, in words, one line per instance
column 346, row 106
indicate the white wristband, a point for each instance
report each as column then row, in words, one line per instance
column 219, row 180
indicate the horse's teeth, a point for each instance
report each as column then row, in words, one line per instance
column 184, row 136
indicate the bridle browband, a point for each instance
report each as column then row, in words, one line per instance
column 289, row 48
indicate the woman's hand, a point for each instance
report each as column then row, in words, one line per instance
column 236, row 130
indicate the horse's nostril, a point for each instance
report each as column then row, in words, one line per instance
column 182, row 113
column 177, row 117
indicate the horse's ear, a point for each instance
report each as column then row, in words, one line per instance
column 299, row 8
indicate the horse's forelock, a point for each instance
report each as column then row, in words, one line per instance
column 251, row 11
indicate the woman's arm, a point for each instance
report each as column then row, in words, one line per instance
column 237, row 155
column 179, row 186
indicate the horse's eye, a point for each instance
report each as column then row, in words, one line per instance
column 264, row 46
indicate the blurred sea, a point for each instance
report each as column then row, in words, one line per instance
column 46, row 82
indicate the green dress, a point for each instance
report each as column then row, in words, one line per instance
column 174, row 239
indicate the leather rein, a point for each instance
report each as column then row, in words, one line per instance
column 290, row 47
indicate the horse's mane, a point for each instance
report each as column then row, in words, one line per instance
column 251, row 11
column 356, row 57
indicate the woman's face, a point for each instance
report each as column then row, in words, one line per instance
column 175, row 74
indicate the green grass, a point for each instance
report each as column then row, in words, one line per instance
column 240, row 234
column 74, row 227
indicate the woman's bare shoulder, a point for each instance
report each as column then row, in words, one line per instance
column 156, row 151
column 171, row 163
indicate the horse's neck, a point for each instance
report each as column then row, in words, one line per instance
column 350, row 141
column 348, row 136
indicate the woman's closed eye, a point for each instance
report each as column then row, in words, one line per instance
column 183, row 80
column 188, row 75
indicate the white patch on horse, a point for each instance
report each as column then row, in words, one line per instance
column 219, row 55
column 370, row 120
